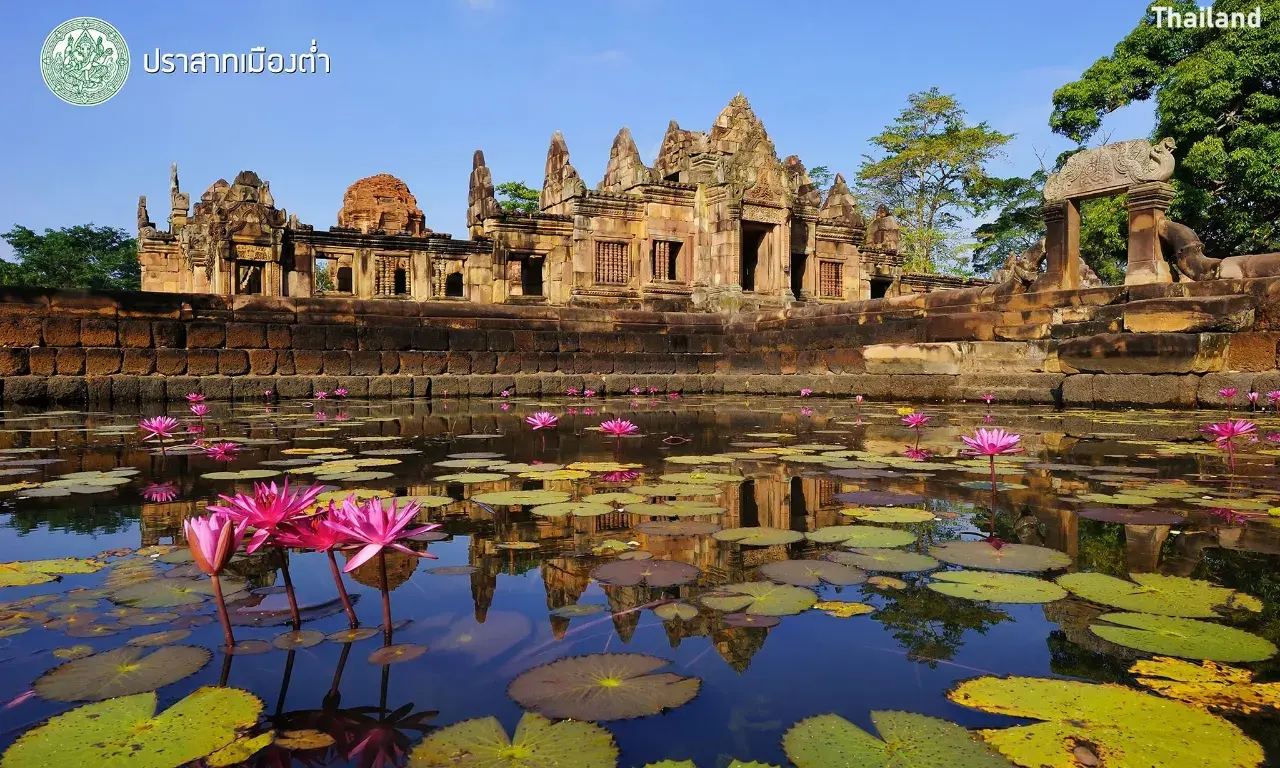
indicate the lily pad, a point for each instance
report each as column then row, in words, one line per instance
column 169, row 593
column 675, row 489
column 696, row 478
column 27, row 572
column 843, row 609
column 756, row 536
column 394, row 654
column 879, row 498
column 521, row 498
column 996, row 587
column 861, row 536
column 908, row 740
column 1152, row 593
column 302, row 638
column 353, row 635
column 602, row 686
column 692, row 459
column 1016, row 558
column 812, row 573
column 1124, row 727
column 651, row 572
column 538, row 743
column 669, row 611
column 120, row 672
column 761, row 598
column 1186, row 638
column 886, row 560
column 614, row 497
column 469, row 478
column 754, row 620
column 126, row 733
column 160, row 638
column 676, row 528
column 1207, row 685
column 890, row 515
column 575, row 610
column 575, row 508
column 1131, row 516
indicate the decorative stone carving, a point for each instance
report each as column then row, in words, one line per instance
column 561, row 180
column 481, row 203
column 179, row 201
column 146, row 228
column 884, row 234
column 381, row 202
column 625, row 169
column 1110, row 169
column 840, row 207
column 801, row 185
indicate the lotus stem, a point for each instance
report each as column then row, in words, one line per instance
column 226, row 670
column 222, row 611
column 288, row 589
column 386, row 596
column 333, row 698
column 993, row 494
column 284, row 683
column 342, row 590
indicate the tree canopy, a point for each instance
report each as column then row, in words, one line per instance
column 931, row 171
column 517, row 197
column 1217, row 95
column 83, row 256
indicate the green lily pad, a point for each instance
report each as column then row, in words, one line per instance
column 861, row 536
column 1124, row 727
column 425, row 502
column 614, row 497
column 695, row 478
column 715, row 459
column 575, row 610
column 886, row 560
column 466, row 463
column 760, row 598
column 908, row 740
column 602, row 686
column 240, row 750
column 244, row 474
column 890, row 515
column 756, row 536
column 575, row 508
column 676, row 528
column 126, row 733
column 669, row 611
column 469, row 478
column 1016, row 558
column 1185, row 638
column 120, row 672
column 675, row 489
column 995, row 587
column 27, row 572
column 168, row 593
column 521, row 498
column 1152, row 593
column 538, row 743
column 812, row 573
column 651, row 572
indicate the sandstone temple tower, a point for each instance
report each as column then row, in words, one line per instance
column 718, row 223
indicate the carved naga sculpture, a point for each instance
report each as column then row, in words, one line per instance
column 1188, row 256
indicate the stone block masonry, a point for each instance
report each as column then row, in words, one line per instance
column 1069, row 348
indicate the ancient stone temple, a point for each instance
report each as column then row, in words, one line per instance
column 718, row 223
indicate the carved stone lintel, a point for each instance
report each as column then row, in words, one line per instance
column 1111, row 169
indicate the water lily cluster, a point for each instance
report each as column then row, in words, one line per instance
column 292, row 518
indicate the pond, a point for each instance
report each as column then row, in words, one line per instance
column 692, row 591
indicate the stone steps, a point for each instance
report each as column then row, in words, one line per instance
column 1235, row 312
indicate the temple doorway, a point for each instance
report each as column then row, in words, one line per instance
column 753, row 243
column 879, row 288
column 531, row 277
column 798, row 262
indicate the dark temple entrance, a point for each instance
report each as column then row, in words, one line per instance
column 753, row 236
column 798, row 262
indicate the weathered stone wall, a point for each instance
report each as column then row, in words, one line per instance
column 1156, row 345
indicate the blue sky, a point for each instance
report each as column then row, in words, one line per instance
column 417, row 85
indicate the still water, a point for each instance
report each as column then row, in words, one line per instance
column 509, row 590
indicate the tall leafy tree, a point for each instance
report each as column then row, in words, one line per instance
column 822, row 177
column 1217, row 94
column 83, row 256
column 517, row 197
column 930, row 168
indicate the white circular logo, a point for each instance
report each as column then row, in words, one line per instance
column 84, row 61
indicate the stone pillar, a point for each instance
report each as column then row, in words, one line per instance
column 1062, row 245
column 1147, row 205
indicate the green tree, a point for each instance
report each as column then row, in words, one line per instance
column 930, row 172
column 517, row 197
column 83, row 256
column 1217, row 95
column 822, row 177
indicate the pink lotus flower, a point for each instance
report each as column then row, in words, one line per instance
column 1226, row 431
column 916, row 420
column 917, row 454
column 213, row 539
column 192, row 397
column 506, row 406
column 992, row 442
column 200, row 410
column 806, row 392
column 321, row 416
column 857, row 398
column 571, row 391
column 636, row 403
column 542, row 420
column 673, row 395
column 1228, row 393
column 588, row 393
column 162, row 427
column 160, row 493
column 340, row 392
column 1228, row 516
column 988, row 398
column 588, row 411
column 618, row 427
column 806, row 411
column 1274, row 396
column 1253, row 397
column 506, row 393
column 636, row 390
column 269, row 508
column 571, row 411
column 654, row 391
column 377, row 528
column 321, row 395
column 621, row 476
column 222, row 451
column 267, row 393
column 316, row 532
column 341, row 417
